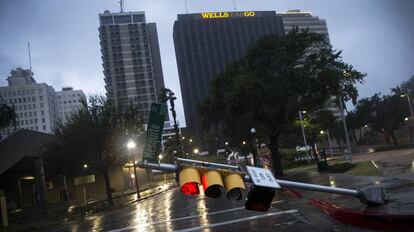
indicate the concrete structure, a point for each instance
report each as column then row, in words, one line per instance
column 205, row 43
column 34, row 103
column 68, row 101
column 131, row 59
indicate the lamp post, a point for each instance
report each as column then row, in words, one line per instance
column 131, row 145
column 303, row 133
column 412, row 115
column 256, row 158
column 346, row 131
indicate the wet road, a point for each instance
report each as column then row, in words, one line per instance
column 173, row 211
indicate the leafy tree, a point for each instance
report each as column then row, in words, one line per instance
column 7, row 114
column 276, row 78
column 96, row 134
column 388, row 114
column 320, row 119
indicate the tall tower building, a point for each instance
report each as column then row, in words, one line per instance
column 131, row 59
column 303, row 20
column 205, row 43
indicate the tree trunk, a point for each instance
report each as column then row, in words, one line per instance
column 105, row 172
column 354, row 135
column 394, row 138
column 276, row 159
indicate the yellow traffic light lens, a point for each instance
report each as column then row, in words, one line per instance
column 235, row 186
column 212, row 183
column 189, row 181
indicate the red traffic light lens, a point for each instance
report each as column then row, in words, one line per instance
column 190, row 188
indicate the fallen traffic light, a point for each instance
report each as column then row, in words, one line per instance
column 212, row 183
column 259, row 198
column 234, row 185
column 189, row 181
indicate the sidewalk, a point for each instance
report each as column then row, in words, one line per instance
column 33, row 219
column 400, row 188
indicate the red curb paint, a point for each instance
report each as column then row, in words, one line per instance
column 366, row 219
column 294, row 193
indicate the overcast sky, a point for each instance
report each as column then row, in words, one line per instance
column 376, row 36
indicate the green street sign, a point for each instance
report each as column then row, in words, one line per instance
column 155, row 126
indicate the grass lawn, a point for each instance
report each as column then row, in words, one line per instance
column 366, row 168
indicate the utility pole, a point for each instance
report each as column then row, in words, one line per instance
column 346, row 131
column 303, row 133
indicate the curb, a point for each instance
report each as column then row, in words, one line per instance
column 366, row 219
column 361, row 218
column 146, row 197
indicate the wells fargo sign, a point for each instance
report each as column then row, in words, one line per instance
column 218, row 15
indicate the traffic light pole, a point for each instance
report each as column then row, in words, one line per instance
column 370, row 196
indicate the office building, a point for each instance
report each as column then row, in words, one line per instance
column 34, row 103
column 131, row 59
column 68, row 101
column 205, row 43
column 303, row 20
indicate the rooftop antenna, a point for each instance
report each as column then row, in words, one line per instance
column 30, row 58
column 234, row 5
column 186, row 7
column 121, row 4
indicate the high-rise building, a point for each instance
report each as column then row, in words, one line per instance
column 131, row 59
column 34, row 103
column 303, row 20
column 68, row 101
column 205, row 43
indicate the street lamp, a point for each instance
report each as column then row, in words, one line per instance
column 85, row 166
column 244, row 142
column 196, row 151
column 131, row 145
column 409, row 103
column 322, row 132
column 256, row 158
column 226, row 143
column 405, row 119
column 303, row 133
column 191, row 140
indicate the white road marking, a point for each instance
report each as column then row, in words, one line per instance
column 188, row 217
column 238, row 220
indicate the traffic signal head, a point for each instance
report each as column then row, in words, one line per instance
column 234, row 185
column 212, row 183
column 189, row 181
column 259, row 198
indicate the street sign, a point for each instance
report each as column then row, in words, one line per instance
column 262, row 177
column 155, row 126
column 84, row 179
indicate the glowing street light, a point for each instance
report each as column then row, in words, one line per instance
column 406, row 119
column 160, row 157
column 191, row 140
column 196, row 151
column 322, row 132
column 131, row 144
column 226, row 143
column 244, row 142
column 85, row 166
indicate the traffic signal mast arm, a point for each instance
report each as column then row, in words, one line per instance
column 369, row 196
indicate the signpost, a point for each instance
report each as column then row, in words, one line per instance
column 262, row 177
column 155, row 126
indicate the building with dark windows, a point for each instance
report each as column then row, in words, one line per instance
column 205, row 43
column 131, row 59
column 303, row 20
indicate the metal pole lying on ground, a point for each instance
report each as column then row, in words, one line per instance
column 370, row 196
